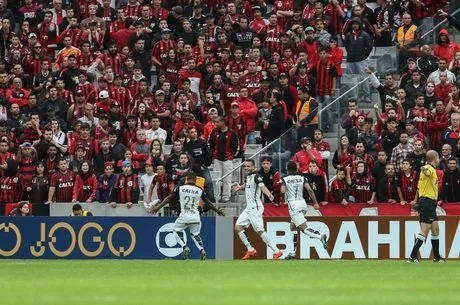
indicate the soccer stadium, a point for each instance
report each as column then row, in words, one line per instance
column 229, row 152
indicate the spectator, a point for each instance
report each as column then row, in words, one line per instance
column 445, row 49
column 407, row 39
column 106, row 182
column 306, row 114
column 450, row 191
column 224, row 146
column 305, row 155
column 362, row 185
column 38, row 192
column 339, row 188
column 442, row 67
column 62, row 182
column 427, row 62
column 387, row 187
column 126, row 188
column 408, row 180
column 378, row 172
column 271, row 179
column 359, row 45
column 78, row 211
column 446, row 155
column 84, row 189
column 323, row 147
column 455, row 22
column 173, row 160
column 401, row 151
column 343, row 152
column 452, row 133
column 369, row 137
column 417, row 157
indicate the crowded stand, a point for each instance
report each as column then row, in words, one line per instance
column 115, row 102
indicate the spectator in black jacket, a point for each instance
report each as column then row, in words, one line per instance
column 276, row 120
column 427, row 63
column 199, row 150
column 387, row 186
column 450, row 191
column 359, row 45
column 102, row 157
column 173, row 160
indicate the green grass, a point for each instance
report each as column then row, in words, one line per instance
column 228, row 282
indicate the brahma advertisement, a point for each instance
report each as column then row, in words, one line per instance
column 355, row 238
column 97, row 237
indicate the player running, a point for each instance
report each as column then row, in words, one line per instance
column 252, row 214
column 292, row 186
column 189, row 196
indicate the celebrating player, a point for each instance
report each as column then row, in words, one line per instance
column 428, row 194
column 189, row 196
column 253, row 213
column 292, row 187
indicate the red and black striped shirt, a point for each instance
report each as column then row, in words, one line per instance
column 161, row 49
column 239, row 126
column 362, row 188
column 63, row 182
column 11, row 189
column 133, row 11
column 126, row 189
column 408, row 185
column 26, row 172
column 224, row 145
column 325, row 73
column 115, row 61
column 251, row 81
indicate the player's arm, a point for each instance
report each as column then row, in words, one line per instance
column 311, row 194
column 208, row 203
column 266, row 191
column 239, row 187
column 167, row 200
column 427, row 170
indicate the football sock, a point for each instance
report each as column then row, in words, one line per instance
column 244, row 238
column 312, row 233
column 179, row 237
column 435, row 245
column 198, row 241
column 294, row 241
column 269, row 242
column 418, row 243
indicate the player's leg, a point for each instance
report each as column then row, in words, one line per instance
column 301, row 223
column 241, row 224
column 257, row 223
column 426, row 219
column 295, row 237
column 435, row 242
column 178, row 231
column 195, row 232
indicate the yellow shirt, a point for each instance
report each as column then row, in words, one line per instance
column 428, row 183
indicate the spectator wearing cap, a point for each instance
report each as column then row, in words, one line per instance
column 358, row 44
column 260, row 95
column 411, row 67
column 311, row 46
column 126, row 188
column 305, row 155
column 258, row 22
column 161, row 48
column 212, row 114
column 288, row 93
column 106, row 182
column 162, row 108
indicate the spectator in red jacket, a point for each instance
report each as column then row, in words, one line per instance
column 248, row 111
column 85, row 186
column 17, row 94
column 187, row 121
column 305, row 155
column 445, row 48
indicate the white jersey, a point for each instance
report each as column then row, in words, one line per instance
column 146, row 181
column 254, row 183
column 294, row 185
column 189, row 198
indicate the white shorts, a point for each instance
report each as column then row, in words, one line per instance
column 252, row 217
column 183, row 223
column 298, row 217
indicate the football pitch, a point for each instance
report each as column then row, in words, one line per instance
column 228, row 282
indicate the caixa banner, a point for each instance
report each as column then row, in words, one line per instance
column 356, row 238
column 97, row 237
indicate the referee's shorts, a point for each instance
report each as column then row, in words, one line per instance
column 427, row 210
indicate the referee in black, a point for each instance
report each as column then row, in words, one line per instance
column 428, row 194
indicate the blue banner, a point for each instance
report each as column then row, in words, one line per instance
column 98, row 237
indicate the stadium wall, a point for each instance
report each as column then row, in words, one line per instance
column 152, row 238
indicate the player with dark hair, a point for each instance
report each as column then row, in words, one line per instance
column 292, row 186
column 428, row 195
column 189, row 196
column 253, row 213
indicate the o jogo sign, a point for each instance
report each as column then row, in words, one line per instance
column 356, row 238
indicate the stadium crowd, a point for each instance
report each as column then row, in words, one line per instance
column 91, row 91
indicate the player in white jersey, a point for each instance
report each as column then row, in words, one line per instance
column 189, row 196
column 253, row 213
column 292, row 186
